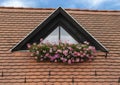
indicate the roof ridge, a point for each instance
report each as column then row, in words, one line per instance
column 92, row 10
column 69, row 9
column 28, row 8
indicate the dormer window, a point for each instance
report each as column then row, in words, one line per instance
column 59, row 26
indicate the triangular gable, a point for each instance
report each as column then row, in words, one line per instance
column 59, row 18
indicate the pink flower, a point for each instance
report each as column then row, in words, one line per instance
column 82, row 60
column 92, row 48
column 73, row 60
column 78, row 54
column 81, row 52
column 50, row 50
column 64, row 59
column 44, row 51
column 88, row 55
column 60, row 51
column 41, row 39
column 32, row 54
column 65, row 42
column 54, row 48
column 55, row 60
column 70, row 48
column 65, row 52
column 35, row 57
column 77, row 60
column 69, row 61
column 82, row 55
column 37, row 52
column 28, row 45
column 61, row 58
column 85, row 42
column 75, row 53
column 91, row 57
column 41, row 59
column 52, row 58
column 84, row 49
column 34, row 44
column 47, row 54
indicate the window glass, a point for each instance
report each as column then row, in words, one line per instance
column 52, row 37
column 66, row 37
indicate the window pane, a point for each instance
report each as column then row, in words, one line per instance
column 66, row 37
column 53, row 37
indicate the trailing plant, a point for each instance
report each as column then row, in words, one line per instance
column 62, row 52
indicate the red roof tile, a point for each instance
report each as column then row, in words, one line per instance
column 18, row 67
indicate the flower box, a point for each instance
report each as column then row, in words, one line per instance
column 62, row 52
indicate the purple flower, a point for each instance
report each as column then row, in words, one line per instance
column 56, row 56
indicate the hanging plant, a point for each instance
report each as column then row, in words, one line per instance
column 62, row 52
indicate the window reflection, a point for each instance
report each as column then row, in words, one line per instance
column 53, row 37
column 64, row 36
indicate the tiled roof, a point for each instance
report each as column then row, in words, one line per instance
column 19, row 67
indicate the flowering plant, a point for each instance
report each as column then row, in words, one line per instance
column 62, row 52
